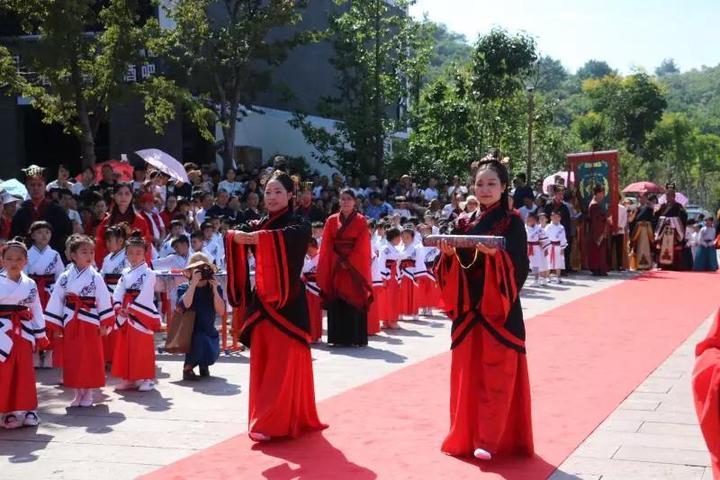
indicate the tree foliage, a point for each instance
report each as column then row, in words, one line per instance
column 75, row 68
column 381, row 54
column 220, row 56
column 594, row 69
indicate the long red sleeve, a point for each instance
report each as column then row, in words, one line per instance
column 706, row 390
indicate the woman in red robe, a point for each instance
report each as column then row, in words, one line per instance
column 706, row 390
column 598, row 226
column 344, row 276
column 489, row 385
column 277, row 327
column 122, row 211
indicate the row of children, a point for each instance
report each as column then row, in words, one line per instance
column 71, row 318
column 403, row 281
column 546, row 246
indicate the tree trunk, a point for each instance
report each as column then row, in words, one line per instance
column 87, row 149
column 87, row 137
column 229, row 134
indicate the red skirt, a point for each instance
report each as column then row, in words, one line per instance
column 109, row 343
column 391, row 305
column 134, row 354
column 375, row 311
column 84, row 359
column 314, row 303
column 17, row 378
column 427, row 293
column 489, row 398
column 407, row 296
column 57, row 347
column 282, row 392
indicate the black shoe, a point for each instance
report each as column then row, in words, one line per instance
column 189, row 375
column 204, row 371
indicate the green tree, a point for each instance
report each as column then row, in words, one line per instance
column 550, row 75
column 450, row 49
column 380, row 54
column 220, row 56
column 667, row 67
column 595, row 69
column 630, row 107
column 78, row 61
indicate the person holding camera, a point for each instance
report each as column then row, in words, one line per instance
column 203, row 295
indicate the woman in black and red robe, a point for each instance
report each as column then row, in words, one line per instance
column 277, row 327
column 706, row 390
column 597, row 242
column 343, row 274
column 489, row 385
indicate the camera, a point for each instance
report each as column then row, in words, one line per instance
column 206, row 272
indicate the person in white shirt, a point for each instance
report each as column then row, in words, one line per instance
column 456, row 187
column 454, row 205
column 87, row 180
column 139, row 173
column 231, row 185
column 431, row 192
column 63, row 180
column 402, row 208
column 619, row 237
column 67, row 202
column 558, row 241
column 705, row 259
column 527, row 208
column 206, row 201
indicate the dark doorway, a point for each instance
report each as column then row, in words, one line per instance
column 195, row 148
column 48, row 146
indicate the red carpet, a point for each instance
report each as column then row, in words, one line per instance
column 585, row 358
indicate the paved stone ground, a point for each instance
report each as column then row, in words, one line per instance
column 130, row 433
column 653, row 434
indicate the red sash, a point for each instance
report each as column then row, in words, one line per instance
column 42, row 282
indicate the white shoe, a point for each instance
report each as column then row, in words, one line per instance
column 87, row 399
column 536, row 283
column 481, row 454
column 146, row 386
column 10, row 421
column 126, row 385
column 258, row 437
column 78, row 398
column 31, row 419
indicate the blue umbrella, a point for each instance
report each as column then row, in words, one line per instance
column 14, row 187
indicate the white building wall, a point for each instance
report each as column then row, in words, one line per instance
column 271, row 132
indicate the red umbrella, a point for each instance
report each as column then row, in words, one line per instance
column 123, row 168
column 643, row 187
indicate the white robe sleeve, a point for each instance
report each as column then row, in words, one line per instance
column 103, row 301
column 38, row 318
column 55, row 309
column 143, row 307
column 563, row 238
column 119, row 292
column 59, row 267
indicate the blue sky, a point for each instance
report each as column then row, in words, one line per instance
column 625, row 33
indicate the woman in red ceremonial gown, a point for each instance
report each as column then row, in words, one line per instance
column 489, row 385
column 122, row 211
column 706, row 390
column 277, row 327
column 597, row 242
column 344, row 273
